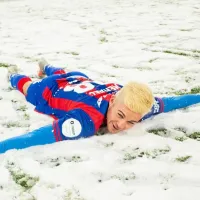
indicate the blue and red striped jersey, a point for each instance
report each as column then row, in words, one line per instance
column 73, row 100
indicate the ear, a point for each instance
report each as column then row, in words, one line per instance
column 112, row 99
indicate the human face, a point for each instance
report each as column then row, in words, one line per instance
column 119, row 117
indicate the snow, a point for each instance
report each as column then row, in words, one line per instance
column 155, row 42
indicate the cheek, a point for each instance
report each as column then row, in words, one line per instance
column 130, row 125
column 110, row 115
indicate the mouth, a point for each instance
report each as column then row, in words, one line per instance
column 115, row 128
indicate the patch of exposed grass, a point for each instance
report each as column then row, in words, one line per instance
column 153, row 59
column 181, row 139
column 144, row 68
column 158, row 131
column 21, row 178
column 4, row 65
column 115, row 66
column 103, row 39
column 57, row 161
column 183, row 158
column 181, row 92
column 129, row 156
column 157, row 152
column 26, row 116
column 108, row 75
column 165, row 35
column 125, row 177
column 189, row 79
column 176, row 53
column 73, row 194
column 83, row 27
column 179, row 53
column 195, row 51
column 135, row 153
column 181, row 129
column 186, row 29
column 110, row 144
column 10, row 89
column 22, row 108
column 11, row 124
column 30, row 59
column 180, row 72
column 194, row 90
column 195, row 136
column 74, row 53
column 103, row 32
column 75, row 159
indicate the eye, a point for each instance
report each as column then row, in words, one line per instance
column 131, row 123
column 120, row 115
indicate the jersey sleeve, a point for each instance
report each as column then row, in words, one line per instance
column 76, row 124
column 157, row 108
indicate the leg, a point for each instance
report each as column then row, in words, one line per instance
column 46, row 69
column 167, row 104
column 20, row 82
column 33, row 91
column 49, row 70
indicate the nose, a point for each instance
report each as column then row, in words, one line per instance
column 121, row 124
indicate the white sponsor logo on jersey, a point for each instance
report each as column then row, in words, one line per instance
column 71, row 128
column 111, row 88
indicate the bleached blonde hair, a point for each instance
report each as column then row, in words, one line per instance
column 138, row 97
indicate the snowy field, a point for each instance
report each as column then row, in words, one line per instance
column 152, row 41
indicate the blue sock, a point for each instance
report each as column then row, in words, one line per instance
column 17, row 81
column 50, row 70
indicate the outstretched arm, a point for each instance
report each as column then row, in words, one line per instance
column 167, row 104
column 41, row 136
column 76, row 124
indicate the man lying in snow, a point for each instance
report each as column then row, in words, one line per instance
column 81, row 106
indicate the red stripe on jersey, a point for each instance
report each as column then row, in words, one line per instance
column 66, row 105
column 62, row 82
column 55, row 131
column 58, row 131
column 21, row 83
column 81, row 79
column 61, row 71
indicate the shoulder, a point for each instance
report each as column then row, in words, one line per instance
column 76, row 124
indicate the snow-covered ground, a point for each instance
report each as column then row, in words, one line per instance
column 152, row 41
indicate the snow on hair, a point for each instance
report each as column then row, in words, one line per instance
column 136, row 96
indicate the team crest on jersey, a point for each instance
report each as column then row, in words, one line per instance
column 99, row 101
column 156, row 106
